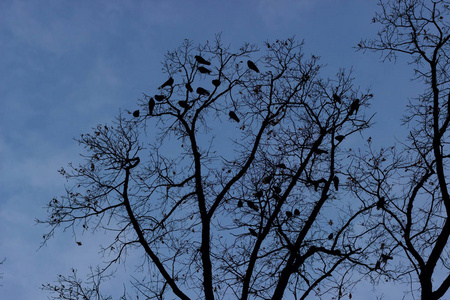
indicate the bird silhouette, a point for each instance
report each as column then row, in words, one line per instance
column 201, row 91
column 296, row 212
column 277, row 189
column 336, row 98
column 288, row 214
column 251, row 65
column 354, row 107
column 253, row 232
column 183, row 104
column 336, row 182
column 151, row 106
column 240, row 203
column 252, row 205
column 201, row 60
column 267, row 179
column 189, row 88
column 233, row 116
column 281, row 166
column 216, row 82
column 381, row 203
column 160, row 97
column 258, row 194
column 320, row 151
column 339, row 138
column 204, row 70
column 330, row 236
column 136, row 113
column 169, row 82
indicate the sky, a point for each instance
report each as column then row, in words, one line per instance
column 67, row 66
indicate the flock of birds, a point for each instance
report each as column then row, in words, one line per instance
column 201, row 63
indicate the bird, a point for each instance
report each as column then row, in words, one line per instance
column 320, row 151
column 336, row 182
column 281, row 166
column 339, row 138
column 330, row 236
column 201, row 91
column 169, row 82
column 189, row 88
column 277, row 189
column 253, row 232
column 252, row 205
column 296, row 212
column 267, row 179
column 251, row 65
column 288, row 214
column 258, row 194
column 160, row 97
column 201, row 60
column 183, row 104
column 336, row 98
column 240, row 203
column 354, row 107
column 233, row 116
column 377, row 265
column 136, row 113
column 151, row 106
column 380, row 203
column 216, row 82
column 204, row 70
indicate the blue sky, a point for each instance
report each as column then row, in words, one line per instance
column 68, row 65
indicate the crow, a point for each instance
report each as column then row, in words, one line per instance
column 336, row 182
column 330, row 236
column 183, row 104
column 160, row 97
column 252, row 206
column 204, row 70
column 151, row 106
column 253, row 232
column 289, row 214
column 267, row 179
column 258, row 194
column 380, row 203
column 251, row 65
column 233, row 116
column 281, row 166
column 169, row 82
column 189, row 88
column 277, row 189
column 201, row 91
column 339, row 138
column 320, row 151
column 336, row 98
column 354, row 107
column 296, row 212
column 201, row 60
column 216, row 82
column 240, row 203
column 136, row 113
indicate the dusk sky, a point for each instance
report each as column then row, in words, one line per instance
column 67, row 66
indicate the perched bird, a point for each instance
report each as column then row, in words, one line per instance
column 251, row 65
column 320, row 151
column 281, row 166
column 339, row 138
column 160, row 97
column 253, row 232
column 240, row 203
column 330, row 236
column 183, row 104
column 377, row 265
column 267, row 179
column 258, row 194
column 336, row 98
column 233, row 116
column 201, row 91
column 277, row 189
column 336, row 182
column 151, row 106
column 189, row 88
column 296, row 212
column 201, row 60
column 288, row 214
column 169, row 82
column 252, row 205
column 136, row 113
column 380, row 203
column 204, row 70
column 216, row 82
column 354, row 107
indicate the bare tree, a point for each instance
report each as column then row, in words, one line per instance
column 228, row 178
column 408, row 189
